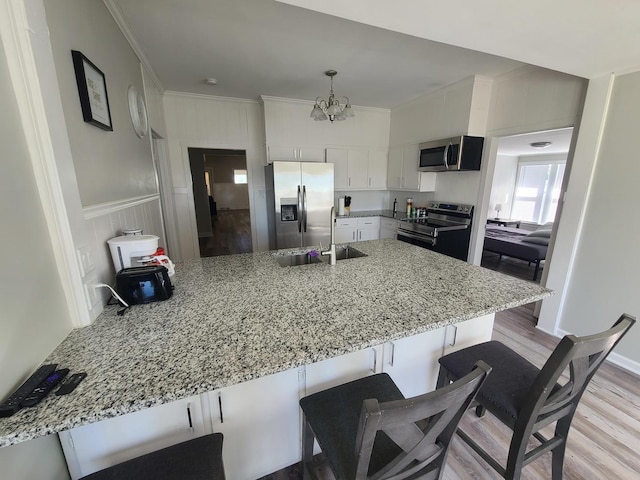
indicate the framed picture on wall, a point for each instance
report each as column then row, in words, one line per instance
column 92, row 88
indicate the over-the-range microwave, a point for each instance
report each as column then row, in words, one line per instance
column 451, row 154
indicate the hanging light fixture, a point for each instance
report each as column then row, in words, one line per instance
column 331, row 109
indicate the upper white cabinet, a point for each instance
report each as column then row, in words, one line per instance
column 402, row 171
column 295, row 154
column 358, row 169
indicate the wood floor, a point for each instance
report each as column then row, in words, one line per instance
column 231, row 234
column 511, row 266
column 604, row 437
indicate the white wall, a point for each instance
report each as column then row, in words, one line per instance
column 35, row 316
column 604, row 280
column 502, row 187
column 201, row 121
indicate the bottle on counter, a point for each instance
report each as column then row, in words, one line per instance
column 409, row 207
column 395, row 206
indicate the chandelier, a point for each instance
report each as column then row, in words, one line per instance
column 331, row 109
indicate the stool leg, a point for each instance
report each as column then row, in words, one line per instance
column 307, row 451
column 557, row 454
column 480, row 411
column 443, row 377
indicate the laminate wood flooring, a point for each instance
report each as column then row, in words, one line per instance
column 231, row 234
column 510, row 266
column 604, row 437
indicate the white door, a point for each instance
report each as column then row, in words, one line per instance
column 464, row 334
column 410, row 177
column 378, row 169
column 394, row 168
column 372, row 233
column 103, row 444
column 260, row 420
column 358, row 169
column 340, row 158
column 346, row 235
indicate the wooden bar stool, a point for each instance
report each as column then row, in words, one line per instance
column 368, row 430
column 527, row 399
column 196, row 459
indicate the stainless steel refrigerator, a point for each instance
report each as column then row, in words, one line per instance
column 300, row 197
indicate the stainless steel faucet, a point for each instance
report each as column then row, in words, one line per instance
column 332, row 247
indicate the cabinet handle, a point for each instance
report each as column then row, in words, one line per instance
column 220, row 407
column 455, row 335
column 375, row 360
column 369, row 181
column 359, row 234
column 393, row 353
column 189, row 417
column 349, row 181
column 353, row 235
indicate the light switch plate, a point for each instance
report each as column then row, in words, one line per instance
column 85, row 260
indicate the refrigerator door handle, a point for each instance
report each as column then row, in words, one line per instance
column 300, row 207
column 304, row 206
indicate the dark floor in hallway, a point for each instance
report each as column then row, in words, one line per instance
column 231, row 234
column 510, row 266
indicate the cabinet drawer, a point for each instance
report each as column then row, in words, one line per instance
column 368, row 222
column 346, row 222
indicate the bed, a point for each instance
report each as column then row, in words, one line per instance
column 530, row 246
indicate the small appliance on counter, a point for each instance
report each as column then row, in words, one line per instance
column 138, row 250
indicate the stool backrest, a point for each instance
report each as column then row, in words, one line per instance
column 421, row 426
column 549, row 400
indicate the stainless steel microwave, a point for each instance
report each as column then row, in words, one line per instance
column 451, row 154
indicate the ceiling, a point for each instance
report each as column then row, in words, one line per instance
column 386, row 53
column 519, row 145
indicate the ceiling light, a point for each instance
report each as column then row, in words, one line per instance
column 211, row 81
column 331, row 109
column 540, row 144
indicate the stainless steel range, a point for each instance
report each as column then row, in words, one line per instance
column 446, row 229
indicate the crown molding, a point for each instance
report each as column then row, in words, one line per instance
column 210, row 97
column 116, row 13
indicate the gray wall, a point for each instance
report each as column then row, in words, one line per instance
column 604, row 282
column 34, row 315
column 226, row 193
column 114, row 165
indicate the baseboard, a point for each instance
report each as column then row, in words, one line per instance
column 615, row 358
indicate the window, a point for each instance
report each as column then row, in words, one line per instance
column 537, row 191
column 239, row 177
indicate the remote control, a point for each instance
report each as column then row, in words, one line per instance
column 71, row 383
column 12, row 404
column 44, row 388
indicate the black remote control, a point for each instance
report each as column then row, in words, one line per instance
column 71, row 383
column 12, row 404
column 44, row 388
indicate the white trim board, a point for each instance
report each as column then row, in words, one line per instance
column 99, row 210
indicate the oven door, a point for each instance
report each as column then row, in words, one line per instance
column 419, row 239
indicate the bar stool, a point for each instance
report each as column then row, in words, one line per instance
column 527, row 399
column 368, row 430
column 196, row 459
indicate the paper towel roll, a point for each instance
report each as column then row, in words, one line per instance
column 341, row 210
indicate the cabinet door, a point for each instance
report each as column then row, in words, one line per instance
column 464, row 334
column 340, row 158
column 102, row 444
column 410, row 174
column 260, row 420
column 377, row 169
column 394, row 168
column 279, row 153
column 311, row 154
column 358, row 169
column 346, row 234
column 368, row 234
column 412, row 362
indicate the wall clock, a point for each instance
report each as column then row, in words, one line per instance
column 137, row 111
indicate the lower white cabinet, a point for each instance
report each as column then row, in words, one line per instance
column 100, row 445
column 357, row 229
column 260, row 420
column 388, row 227
column 464, row 334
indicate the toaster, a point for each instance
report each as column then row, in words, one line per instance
column 146, row 284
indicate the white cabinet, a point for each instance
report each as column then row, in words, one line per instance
column 100, row 445
column 295, row 154
column 464, row 334
column 388, row 227
column 358, row 169
column 402, row 171
column 357, row 229
column 412, row 362
column 260, row 420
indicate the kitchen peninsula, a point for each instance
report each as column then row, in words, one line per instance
column 234, row 319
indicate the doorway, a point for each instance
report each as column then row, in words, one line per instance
column 221, row 201
column 524, row 202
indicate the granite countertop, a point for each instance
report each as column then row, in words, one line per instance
column 234, row 318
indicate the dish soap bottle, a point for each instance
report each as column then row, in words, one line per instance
column 409, row 207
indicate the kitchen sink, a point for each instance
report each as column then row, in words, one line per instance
column 297, row 259
column 344, row 252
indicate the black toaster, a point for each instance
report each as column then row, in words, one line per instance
column 144, row 284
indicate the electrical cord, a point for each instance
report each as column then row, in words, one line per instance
column 116, row 296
